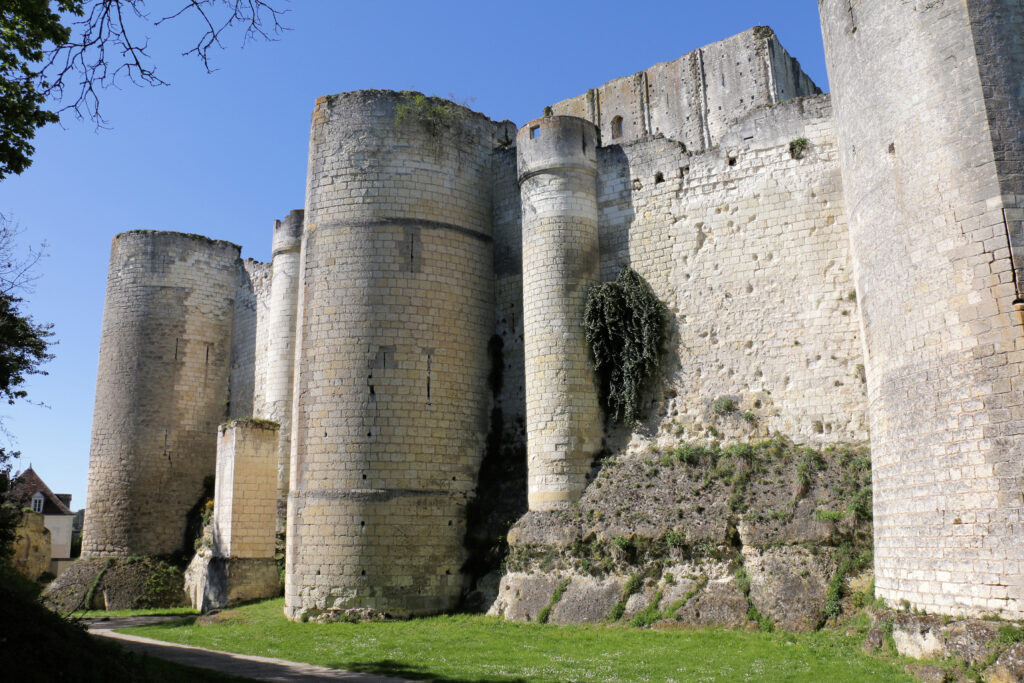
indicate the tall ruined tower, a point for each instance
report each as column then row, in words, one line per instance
column 284, row 302
column 162, row 388
column 928, row 107
column 395, row 312
column 557, row 178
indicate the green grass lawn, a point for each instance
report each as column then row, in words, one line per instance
column 481, row 649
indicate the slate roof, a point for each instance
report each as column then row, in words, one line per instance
column 28, row 484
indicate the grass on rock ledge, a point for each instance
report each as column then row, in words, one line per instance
column 483, row 649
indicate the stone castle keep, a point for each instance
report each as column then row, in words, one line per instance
column 847, row 266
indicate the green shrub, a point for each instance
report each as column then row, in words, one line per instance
column 798, row 147
column 823, row 515
column 724, row 405
column 674, row 539
column 624, row 324
column 649, row 614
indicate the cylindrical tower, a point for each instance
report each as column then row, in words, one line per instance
column 161, row 391
column 284, row 301
column 557, row 180
column 928, row 113
column 391, row 396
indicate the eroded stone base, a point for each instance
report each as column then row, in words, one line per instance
column 213, row 582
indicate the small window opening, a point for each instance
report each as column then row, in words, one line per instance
column 732, row 161
column 534, row 132
column 683, row 170
column 659, row 177
column 37, row 503
column 616, row 127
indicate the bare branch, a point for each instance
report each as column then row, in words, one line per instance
column 109, row 46
column 17, row 267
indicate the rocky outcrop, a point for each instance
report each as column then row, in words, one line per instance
column 990, row 648
column 1009, row 668
column 116, row 583
column 699, row 536
column 31, row 546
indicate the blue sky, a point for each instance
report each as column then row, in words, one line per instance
column 225, row 154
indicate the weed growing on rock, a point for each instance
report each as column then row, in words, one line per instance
column 545, row 613
column 723, row 405
column 433, row 113
column 798, row 147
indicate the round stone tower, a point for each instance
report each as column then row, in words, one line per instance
column 395, row 312
column 929, row 112
column 284, row 302
column 161, row 391
column 557, row 160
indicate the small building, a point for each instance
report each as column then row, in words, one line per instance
column 57, row 514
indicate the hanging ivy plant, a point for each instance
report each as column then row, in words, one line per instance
column 624, row 324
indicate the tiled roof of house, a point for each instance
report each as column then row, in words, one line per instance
column 28, row 484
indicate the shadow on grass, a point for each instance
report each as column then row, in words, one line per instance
column 389, row 667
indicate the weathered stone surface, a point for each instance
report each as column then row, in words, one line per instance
column 720, row 603
column 540, row 528
column 1009, row 668
column 928, row 117
column 521, row 597
column 214, row 582
column 587, row 600
column 972, row 640
column 918, row 635
column 789, row 584
column 874, row 640
column 116, row 583
column 31, row 546
column 928, row 673
column 801, row 528
column 637, row 602
column 167, row 316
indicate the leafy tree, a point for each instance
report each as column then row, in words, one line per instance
column 65, row 51
column 26, row 26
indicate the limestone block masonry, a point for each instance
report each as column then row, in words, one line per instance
column 240, row 565
column 930, row 149
column 557, row 178
column 161, row 391
column 829, row 263
column 284, row 301
column 245, row 494
column 395, row 312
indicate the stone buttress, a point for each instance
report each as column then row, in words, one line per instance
column 557, row 176
column 395, row 312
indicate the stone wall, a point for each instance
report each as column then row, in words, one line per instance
column 929, row 144
column 162, row 388
column 747, row 247
column 245, row 497
column 396, row 310
column 697, row 98
column 249, row 340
